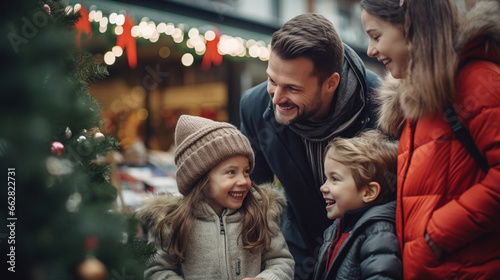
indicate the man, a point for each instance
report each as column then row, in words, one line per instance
column 317, row 89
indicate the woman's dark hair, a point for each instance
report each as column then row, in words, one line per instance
column 388, row 10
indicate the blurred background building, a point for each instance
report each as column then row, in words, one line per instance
column 171, row 57
column 190, row 57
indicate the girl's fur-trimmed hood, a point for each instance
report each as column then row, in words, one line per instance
column 481, row 21
column 155, row 207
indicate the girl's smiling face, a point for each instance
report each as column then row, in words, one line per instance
column 229, row 183
column 387, row 44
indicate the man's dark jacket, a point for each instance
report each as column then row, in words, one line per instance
column 280, row 151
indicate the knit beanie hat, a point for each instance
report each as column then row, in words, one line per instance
column 201, row 144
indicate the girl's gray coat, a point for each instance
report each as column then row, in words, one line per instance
column 211, row 254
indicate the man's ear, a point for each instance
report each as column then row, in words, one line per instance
column 333, row 82
column 371, row 192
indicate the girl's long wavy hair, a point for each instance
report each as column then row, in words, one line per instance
column 430, row 27
column 175, row 226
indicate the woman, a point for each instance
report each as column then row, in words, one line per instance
column 448, row 208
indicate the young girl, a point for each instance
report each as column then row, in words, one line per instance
column 223, row 226
column 360, row 197
column 448, row 207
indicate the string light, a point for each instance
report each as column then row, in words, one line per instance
column 109, row 58
column 77, row 8
column 97, row 16
column 209, row 35
column 187, row 59
column 161, row 28
column 193, row 32
column 119, row 30
column 148, row 29
column 120, row 19
column 117, row 51
column 103, row 22
column 112, row 18
column 91, row 15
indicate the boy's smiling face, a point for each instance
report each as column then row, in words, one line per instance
column 339, row 190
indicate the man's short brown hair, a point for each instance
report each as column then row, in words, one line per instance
column 312, row 36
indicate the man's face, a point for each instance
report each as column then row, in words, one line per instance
column 295, row 92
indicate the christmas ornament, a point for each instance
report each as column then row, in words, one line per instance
column 57, row 148
column 91, row 243
column 46, row 8
column 92, row 269
column 59, row 167
column 68, row 133
column 73, row 202
column 81, row 138
column 124, row 238
column 98, row 136
column 68, row 10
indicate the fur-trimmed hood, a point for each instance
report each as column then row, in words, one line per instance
column 478, row 37
column 155, row 207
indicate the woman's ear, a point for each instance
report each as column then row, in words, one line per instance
column 371, row 192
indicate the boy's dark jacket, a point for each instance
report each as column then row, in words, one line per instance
column 370, row 252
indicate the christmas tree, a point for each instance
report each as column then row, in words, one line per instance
column 58, row 202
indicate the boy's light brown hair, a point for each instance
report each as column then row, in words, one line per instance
column 372, row 157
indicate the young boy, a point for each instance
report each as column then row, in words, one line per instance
column 360, row 191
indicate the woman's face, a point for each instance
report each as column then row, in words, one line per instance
column 387, row 44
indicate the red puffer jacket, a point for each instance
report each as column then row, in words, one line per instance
column 441, row 189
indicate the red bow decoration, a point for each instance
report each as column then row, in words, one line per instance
column 212, row 54
column 83, row 25
column 127, row 41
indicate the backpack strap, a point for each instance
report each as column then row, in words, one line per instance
column 464, row 136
